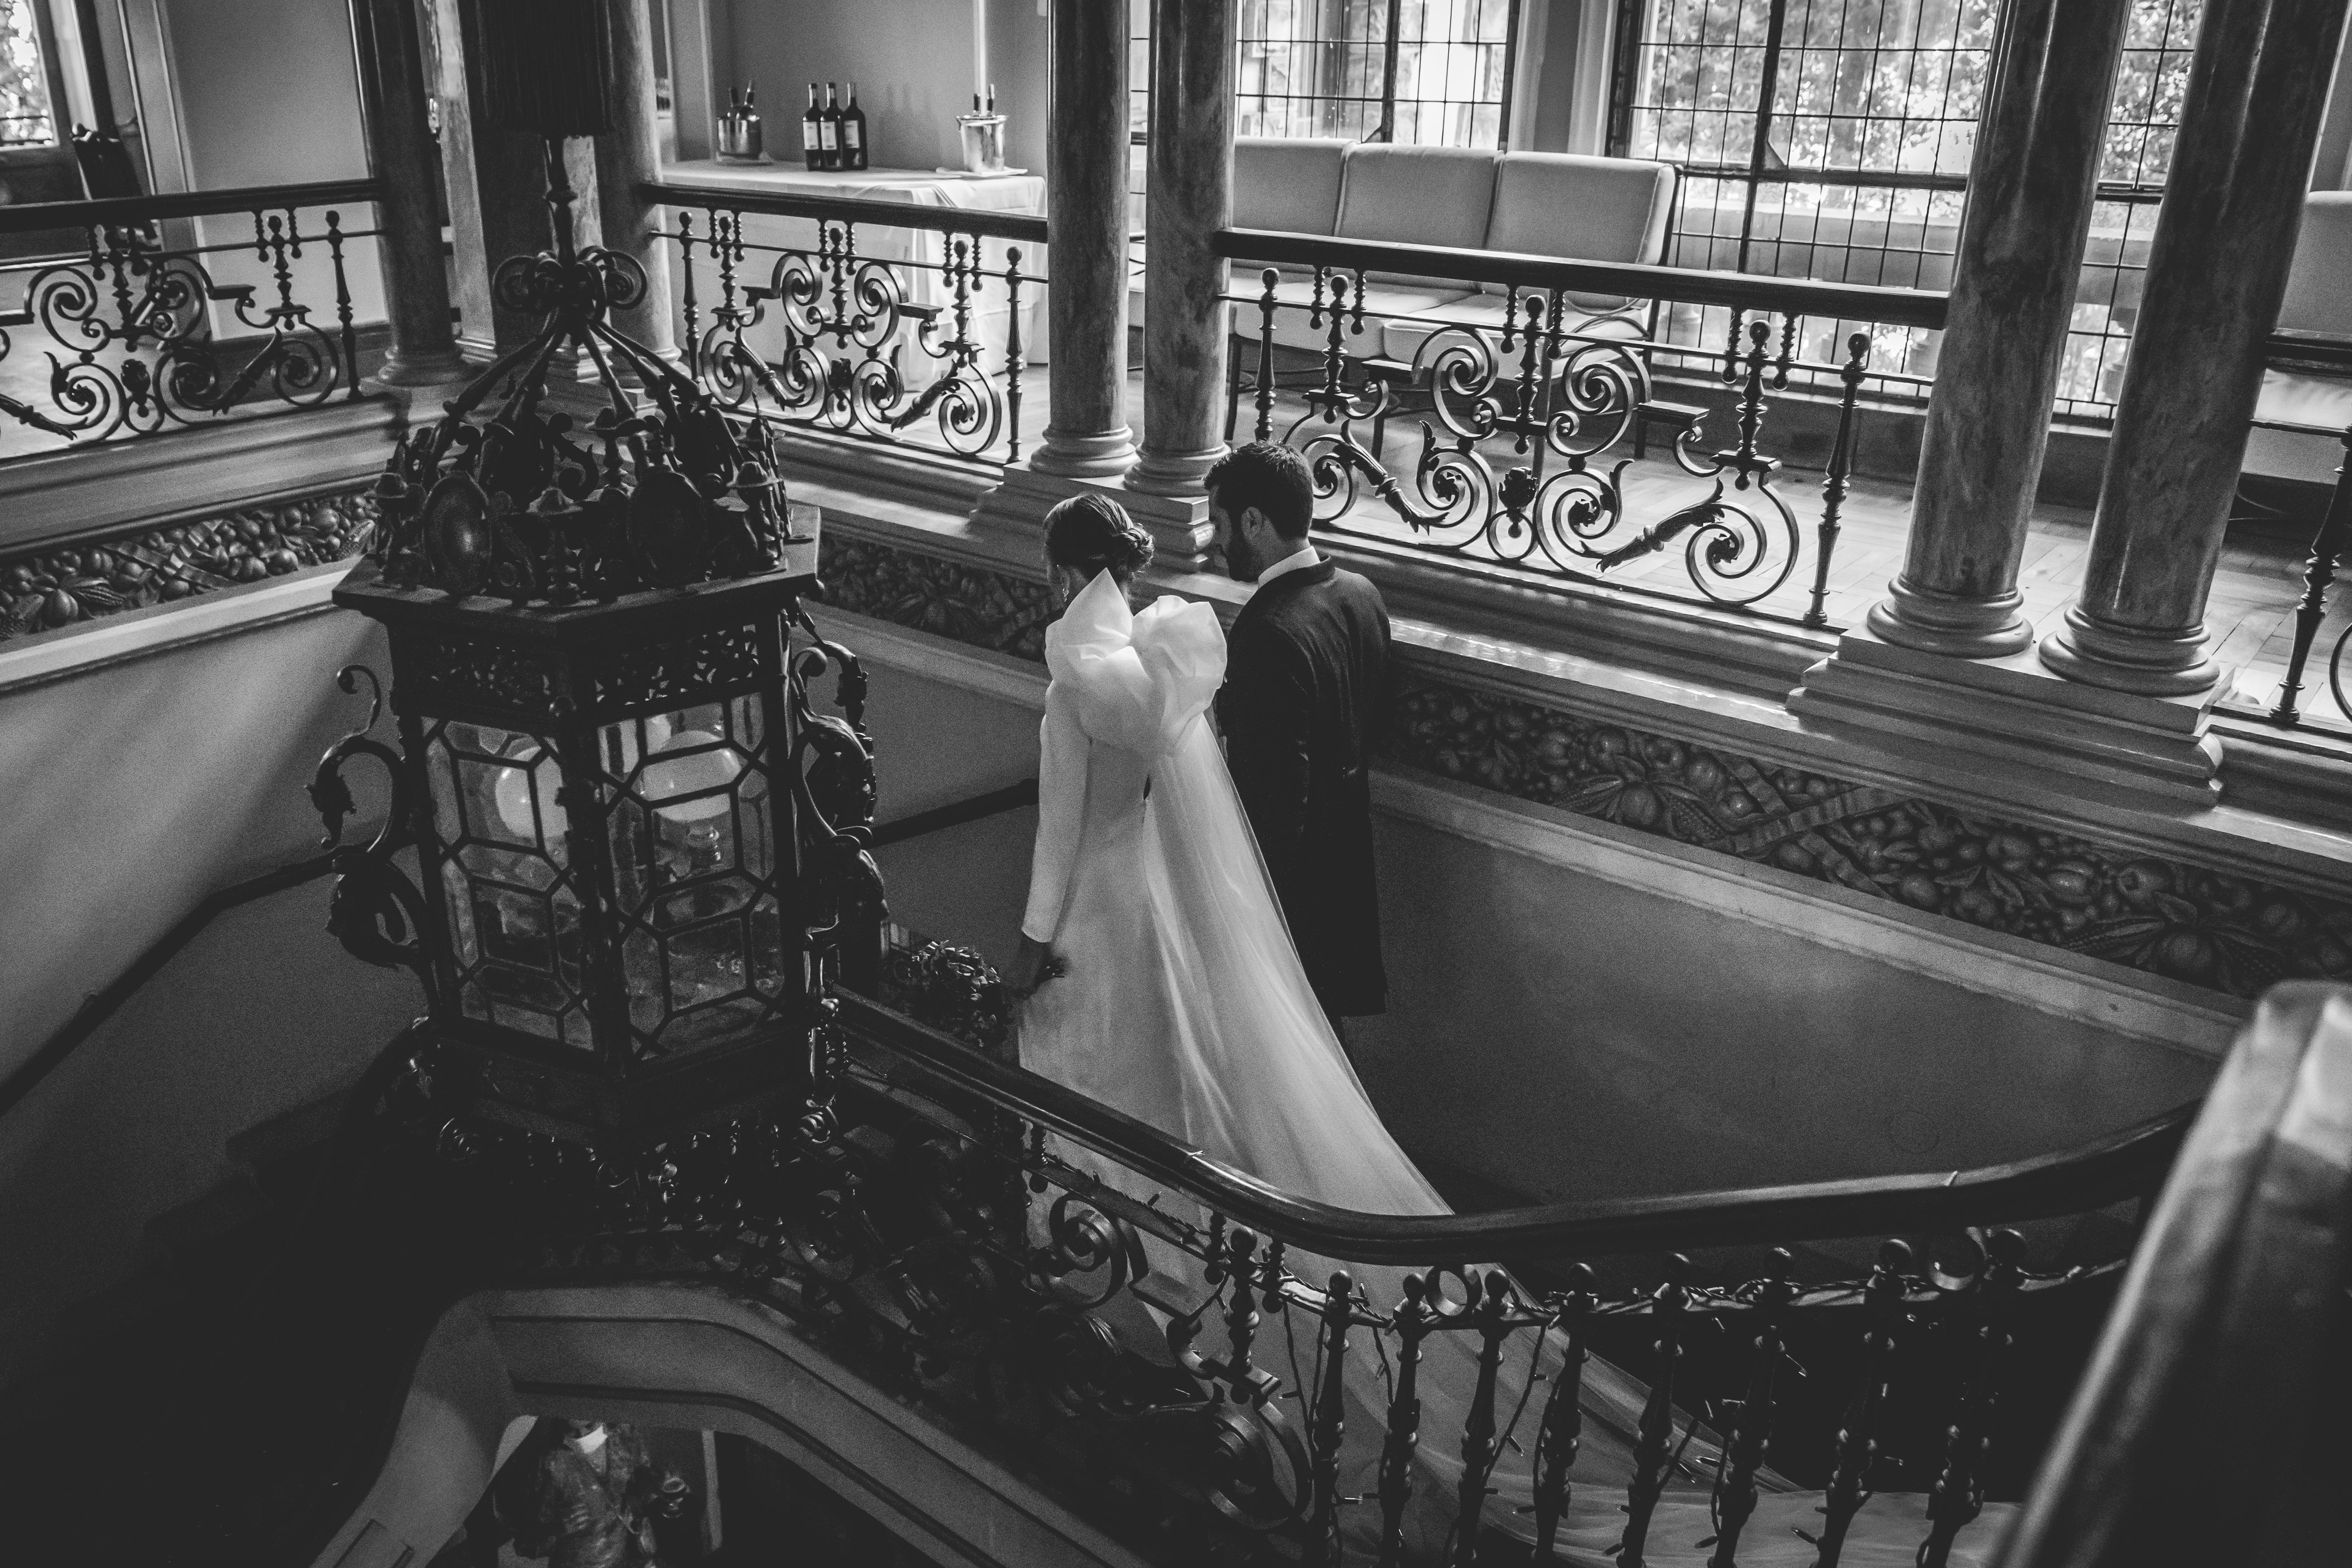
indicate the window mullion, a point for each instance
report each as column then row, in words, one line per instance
column 1387, row 131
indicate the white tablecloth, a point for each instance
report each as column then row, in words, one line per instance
column 925, row 249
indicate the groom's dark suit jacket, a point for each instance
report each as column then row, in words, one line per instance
column 1305, row 681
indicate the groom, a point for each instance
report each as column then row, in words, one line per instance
column 1306, row 675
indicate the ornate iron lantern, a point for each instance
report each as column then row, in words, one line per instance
column 636, row 834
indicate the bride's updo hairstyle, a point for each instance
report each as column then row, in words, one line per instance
column 1090, row 534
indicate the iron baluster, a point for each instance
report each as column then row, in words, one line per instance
column 1745, row 458
column 1411, row 1322
column 1745, row 1456
column 344, row 306
column 1562, row 1432
column 1857, row 1440
column 1788, row 354
column 1013, row 348
column 686, row 292
column 1731, row 346
column 1335, row 358
column 1841, row 470
column 1653, row 1439
column 1523, row 421
column 964, row 352
column 1495, row 1323
column 1327, row 1421
column 2317, row 574
column 1265, row 305
column 1958, row 1495
column 1241, row 1309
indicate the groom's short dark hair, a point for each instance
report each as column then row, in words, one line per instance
column 1271, row 478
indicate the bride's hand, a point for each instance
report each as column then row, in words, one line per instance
column 1035, row 963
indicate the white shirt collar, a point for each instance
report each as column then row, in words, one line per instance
column 1297, row 561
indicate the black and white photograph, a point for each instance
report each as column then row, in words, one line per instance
column 1175, row 784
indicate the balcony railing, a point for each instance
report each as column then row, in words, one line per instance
column 897, row 323
column 169, row 313
column 1535, row 394
column 987, row 1239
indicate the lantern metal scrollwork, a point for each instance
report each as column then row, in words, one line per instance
column 641, row 844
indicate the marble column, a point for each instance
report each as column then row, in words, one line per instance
column 630, row 155
column 2216, row 274
column 1188, row 196
column 423, row 351
column 2031, row 188
column 497, row 182
column 1086, row 434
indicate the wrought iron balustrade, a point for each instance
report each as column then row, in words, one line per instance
column 843, row 336
column 167, row 313
column 926, row 1215
column 1533, row 406
column 2330, row 356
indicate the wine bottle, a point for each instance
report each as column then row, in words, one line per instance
column 829, row 128
column 853, row 132
column 812, row 135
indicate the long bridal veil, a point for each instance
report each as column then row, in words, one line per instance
column 1187, row 1007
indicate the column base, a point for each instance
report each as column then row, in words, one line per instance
column 2010, row 720
column 1173, row 474
column 1180, row 530
column 437, row 367
column 2122, row 658
column 1930, row 621
column 1104, row 455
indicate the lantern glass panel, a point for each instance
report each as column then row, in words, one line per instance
column 694, row 848
column 507, row 886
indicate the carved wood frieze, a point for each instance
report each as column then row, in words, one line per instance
column 2160, row 915
column 42, row 590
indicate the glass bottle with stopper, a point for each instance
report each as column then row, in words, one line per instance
column 812, row 133
column 829, row 128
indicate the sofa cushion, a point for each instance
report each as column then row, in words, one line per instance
column 2319, row 283
column 1417, row 196
column 1286, row 184
column 1581, row 209
column 2322, row 402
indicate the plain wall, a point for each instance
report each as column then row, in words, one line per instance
column 911, row 60
column 267, row 94
column 135, row 791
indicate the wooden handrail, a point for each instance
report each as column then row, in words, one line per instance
column 1027, row 227
column 36, row 217
column 1685, row 285
column 2121, row 1165
column 2208, row 1428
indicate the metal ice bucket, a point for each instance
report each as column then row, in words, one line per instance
column 983, row 142
column 739, row 134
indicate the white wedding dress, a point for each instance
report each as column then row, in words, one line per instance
column 1184, row 1005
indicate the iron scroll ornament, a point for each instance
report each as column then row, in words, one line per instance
column 375, row 913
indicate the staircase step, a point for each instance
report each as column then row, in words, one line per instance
column 203, row 1222
column 282, row 1153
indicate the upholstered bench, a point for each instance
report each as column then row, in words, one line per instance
column 1540, row 204
column 2303, row 413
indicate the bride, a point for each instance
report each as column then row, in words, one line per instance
column 1160, row 980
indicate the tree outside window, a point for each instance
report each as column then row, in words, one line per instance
column 26, row 116
column 1855, row 167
